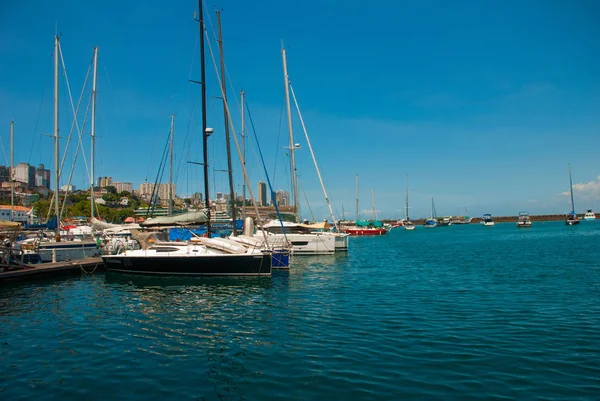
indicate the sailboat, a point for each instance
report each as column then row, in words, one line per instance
column 303, row 239
column 571, row 218
column 407, row 223
column 59, row 248
column 365, row 227
column 431, row 222
column 202, row 256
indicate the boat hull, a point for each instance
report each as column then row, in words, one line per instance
column 365, row 231
column 217, row 265
column 67, row 251
column 302, row 244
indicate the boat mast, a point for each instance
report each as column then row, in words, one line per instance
column 171, row 139
column 406, row 203
column 93, row 129
column 356, row 197
column 242, row 95
column 56, row 138
column 571, row 189
column 204, row 133
column 12, row 169
column 226, row 117
column 373, row 202
column 286, row 83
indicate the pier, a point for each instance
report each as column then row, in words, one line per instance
column 88, row 265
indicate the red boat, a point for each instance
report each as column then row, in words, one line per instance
column 363, row 231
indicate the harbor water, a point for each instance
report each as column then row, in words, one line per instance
column 452, row 313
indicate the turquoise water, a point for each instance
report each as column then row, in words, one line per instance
column 453, row 313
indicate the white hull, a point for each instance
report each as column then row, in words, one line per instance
column 305, row 244
column 488, row 223
column 63, row 251
column 409, row 227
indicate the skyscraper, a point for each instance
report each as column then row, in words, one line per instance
column 262, row 194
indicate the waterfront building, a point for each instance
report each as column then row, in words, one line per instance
column 262, row 194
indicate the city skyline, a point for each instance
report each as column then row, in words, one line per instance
column 479, row 120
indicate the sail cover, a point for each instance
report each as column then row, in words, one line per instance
column 193, row 217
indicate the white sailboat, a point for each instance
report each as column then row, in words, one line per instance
column 571, row 218
column 302, row 242
column 407, row 223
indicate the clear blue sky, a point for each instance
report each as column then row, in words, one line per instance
column 483, row 104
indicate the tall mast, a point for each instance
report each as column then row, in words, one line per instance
column 373, row 202
column 242, row 95
column 226, row 116
column 406, row 203
column 204, row 133
column 56, row 144
column 12, row 169
column 93, row 129
column 571, row 189
column 356, row 197
column 286, row 83
column 312, row 153
column 171, row 139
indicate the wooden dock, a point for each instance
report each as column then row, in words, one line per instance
column 88, row 265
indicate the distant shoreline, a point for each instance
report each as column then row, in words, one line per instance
column 507, row 219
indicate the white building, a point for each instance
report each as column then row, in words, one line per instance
column 123, row 186
column 21, row 214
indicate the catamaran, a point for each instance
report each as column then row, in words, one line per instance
column 571, row 218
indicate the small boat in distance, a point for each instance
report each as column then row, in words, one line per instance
column 571, row 218
column 431, row 222
column 407, row 223
column 487, row 220
column 524, row 220
column 589, row 215
column 445, row 221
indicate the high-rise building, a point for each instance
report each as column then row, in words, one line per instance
column 123, row 186
column 4, row 173
column 283, row 198
column 105, row 182
column 25, row 173
column 146, row 190
column 42, row 177
column 262, row 194
column 163, row 191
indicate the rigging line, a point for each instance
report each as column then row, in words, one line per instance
column 237, row 145
column 228, row 78
column 306, row 198
column 273, row 198
column 312, row 153
column 155, row 187
column 75, row 122
column 3, row 152
column 37, row 120
column 79, row 146
column 278, row 135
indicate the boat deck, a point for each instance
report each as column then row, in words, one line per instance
column 88, row 265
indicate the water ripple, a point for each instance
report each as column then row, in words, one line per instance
column 453, row 313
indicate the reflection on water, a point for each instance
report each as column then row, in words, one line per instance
column 430, row 314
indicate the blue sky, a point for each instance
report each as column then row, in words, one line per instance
column 483, row 104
